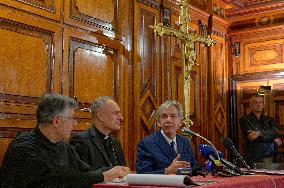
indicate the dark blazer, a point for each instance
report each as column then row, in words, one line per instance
column 32, row 160
column 90, row 148
column 263, row 146
column 154, row 153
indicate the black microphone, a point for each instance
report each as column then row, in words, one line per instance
column 228, row 143
column 231, row 166
column 207, row 152
column 188, row 131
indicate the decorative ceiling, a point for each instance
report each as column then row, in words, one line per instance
column 250, row 3
column 239, row 7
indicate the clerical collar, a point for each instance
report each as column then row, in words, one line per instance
column 102, row 135
column 167, row 138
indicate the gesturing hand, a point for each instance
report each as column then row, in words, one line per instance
column 172, row 169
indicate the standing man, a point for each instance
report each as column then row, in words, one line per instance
column 42, row 158
column 95, row 146
column 260, row 134
column 165, row 151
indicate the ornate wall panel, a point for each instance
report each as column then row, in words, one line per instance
column 147, row 73
column 219, row 104
column 27, row 56
column 263, row 55
column 47, row 8
column 259, row 51
column 101, row 15
column 25, row 48
column 87, row 60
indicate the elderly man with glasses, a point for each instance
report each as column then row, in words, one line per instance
column 165, row 151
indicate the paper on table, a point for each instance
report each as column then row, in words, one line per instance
column 159, row 179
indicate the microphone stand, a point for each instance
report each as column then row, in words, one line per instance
column 188, row 131
column 219, row 160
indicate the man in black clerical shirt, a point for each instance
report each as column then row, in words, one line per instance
column 42, row 158
column 95, row 145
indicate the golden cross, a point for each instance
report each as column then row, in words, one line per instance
column 188, row 41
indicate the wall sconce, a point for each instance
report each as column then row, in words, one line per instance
column 202, row 28
column 166, row 17
column 264, row 90
column 236, row 49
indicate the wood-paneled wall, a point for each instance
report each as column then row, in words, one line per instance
column 91, row 48
column 260, row 63
column 77, row 48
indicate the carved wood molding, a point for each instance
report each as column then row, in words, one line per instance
column 219, row 11
column 218, row 26
column 261, row 21
column 151, row 3
column 18, row 98
column 47, row 5
column 258, row 76
column 234, row 13
column 220, row 118
column 197, row 14
column 148, row 105
column 260, row 33
column 86, row 19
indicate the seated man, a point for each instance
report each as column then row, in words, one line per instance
column 42, row 158
column 95, row 146
column 165, row 151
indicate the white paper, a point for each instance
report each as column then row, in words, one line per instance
column 155, row 179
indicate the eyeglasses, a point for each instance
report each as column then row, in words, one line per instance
column 172, row 116
column 72, row 118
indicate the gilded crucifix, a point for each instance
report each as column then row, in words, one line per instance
column 188, row 41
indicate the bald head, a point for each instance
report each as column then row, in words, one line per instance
column 256, row 104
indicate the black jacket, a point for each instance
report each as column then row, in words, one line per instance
column 32, row 160
column 262, row 146
column 90, row 148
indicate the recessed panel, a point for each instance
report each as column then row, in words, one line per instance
column 147, row 51
column 22, row 64
column 103, row 10
column 46, row 8
column 263, row 56
column 93, row 74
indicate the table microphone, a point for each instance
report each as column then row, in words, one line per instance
column 228, row 143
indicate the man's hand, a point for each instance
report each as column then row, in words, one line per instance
column 116, row 172
column 278, row 141
column 253, row 135
column 172, row 169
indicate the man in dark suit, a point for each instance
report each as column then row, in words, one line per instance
column 95, row 145
column 165, row 151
